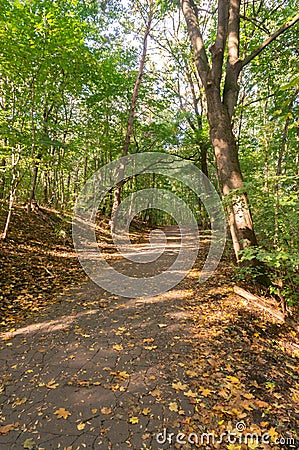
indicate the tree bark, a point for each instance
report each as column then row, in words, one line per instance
column 129, row 131
column 15, row 179
column 221, row 105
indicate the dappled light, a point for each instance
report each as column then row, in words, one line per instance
column 149, row 224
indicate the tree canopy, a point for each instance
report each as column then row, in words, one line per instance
column 218, row 86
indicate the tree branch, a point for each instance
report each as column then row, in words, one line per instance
column 231, row 89
column 201, row 59
column 217, row 50
column 233, row 31
column 267, row 41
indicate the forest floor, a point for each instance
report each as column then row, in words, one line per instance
column 81, row 368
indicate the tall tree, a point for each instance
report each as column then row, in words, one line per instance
column 129, row 129
column 219, row 76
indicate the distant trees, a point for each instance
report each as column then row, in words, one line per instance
column 219, row 87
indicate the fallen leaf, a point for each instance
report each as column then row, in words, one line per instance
column 81, row 426
column 30, row 444
column 248, row 396
column 106, row 410
column 173, row 406
column 146, row 411
column 133, row 420
column 117, row 347
column 62, row 413
column 273, row 433
column 191, row 373
column 9, row 427
column 51, row 384
column 179, row 386
column 205, row 392
column 156, row 392
column 232, row 379
column 190, row 394
column 19, row 401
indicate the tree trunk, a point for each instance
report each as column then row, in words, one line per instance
column 15, row 179
column 33, row 183
column 222, row 102
column 129, row 130
column 226, row 153
column 3, row 170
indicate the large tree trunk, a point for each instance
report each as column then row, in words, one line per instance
column 221, row 104
column 226, row 153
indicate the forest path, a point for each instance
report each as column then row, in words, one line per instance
column 98, row 371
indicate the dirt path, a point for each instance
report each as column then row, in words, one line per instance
column 98, row 371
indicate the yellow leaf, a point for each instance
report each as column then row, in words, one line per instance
column 179, row 386
column 190, row 394
column 146, row 411
column 62, row 413
column 295, row 396
column 94, row 410
column 117, row 347
column 19, row 401
column 278, row 396
column 81, row 426
column 248, row 396
column 52, row 384
column 252, row 445
column 156, row 392
column 145, row 436
column 150, row 347
column 272, row 432
column 232, row 379
column 191, row 373
column 120, row 375
column 264, row 424
column 173, row 406
column 233, row 447
column 105, row 410
column 133, row 420
column 205, row 392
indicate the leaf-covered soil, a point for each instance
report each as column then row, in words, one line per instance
column 37, row 262
column 96, row 371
